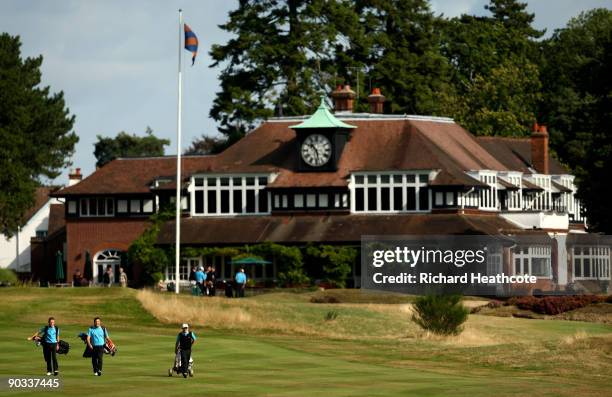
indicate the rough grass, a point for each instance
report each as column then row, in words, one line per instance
column 370, row 349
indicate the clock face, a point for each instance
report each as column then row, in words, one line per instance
column 316, row 150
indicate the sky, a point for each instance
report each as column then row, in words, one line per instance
column 116, row 60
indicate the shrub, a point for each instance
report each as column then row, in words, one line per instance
column 553, row 305
column 337, row 262
column 331, row 315
column 324, row 299
column 440, row 314
column 8, row 277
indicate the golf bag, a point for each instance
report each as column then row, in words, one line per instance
column 109, row 345
column 64, row 347
column 177, row 365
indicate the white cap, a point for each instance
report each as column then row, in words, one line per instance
column 185, row 325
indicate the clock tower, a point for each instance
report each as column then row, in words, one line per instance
column 320, row 140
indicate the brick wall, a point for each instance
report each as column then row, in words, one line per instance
column 98, row 234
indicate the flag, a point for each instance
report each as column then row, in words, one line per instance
column 191, row 42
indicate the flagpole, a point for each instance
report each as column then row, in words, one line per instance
column 178, row 161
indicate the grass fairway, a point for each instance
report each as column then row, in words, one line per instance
column 280, row 345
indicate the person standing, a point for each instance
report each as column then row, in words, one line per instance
column 184, row 341
column 210, row 281
column 49, row 339
column 96, row 339
column 123, row 280
column 241, row 280
column 108, row 276
column 200, row 278
column 77, row 278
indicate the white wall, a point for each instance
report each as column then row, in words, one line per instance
column 8, row 248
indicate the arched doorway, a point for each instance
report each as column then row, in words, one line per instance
column 109, row 257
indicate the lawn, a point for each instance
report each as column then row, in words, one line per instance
column 281, row 345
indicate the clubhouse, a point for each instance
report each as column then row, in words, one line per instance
column 334, row 176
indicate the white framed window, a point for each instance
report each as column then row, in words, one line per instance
column 215, row 195
column 323, row 200
column 298, row 200
column 72, row 207
column 311, row 200
column 534, row 260
column 135, row 206
column 390, row 192
column 184, row 269
column 122, row 206
column 147, row 205
column 488, row 196
column 97, row 207
column 591, row 262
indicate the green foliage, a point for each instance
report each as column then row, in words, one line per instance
column 271, row 60
column 144, row 252
column 336, row 261
column 35, row 131
column 126, row 145
column 8, row 277
column 577, row 106
column 331, row 315
column 495, row 75
column 289, row 262
column 440, row 314
column 501, row 103
column 207, row 145
column 400, row 51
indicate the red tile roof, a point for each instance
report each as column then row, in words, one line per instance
column 515, row 154
column 377, row 144
column 330, row 228
column 134, row 175
column 57, row 218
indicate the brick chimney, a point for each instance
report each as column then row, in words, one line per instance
column 539, row 148
column 343, row 98
column 376, row 100
column 74, row 177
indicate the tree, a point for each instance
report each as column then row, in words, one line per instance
column 274, row 61
column 577, row 106
column 207, row 145
column 35, row 131
column 495, row 75
column 399, row 48
column 126, row 145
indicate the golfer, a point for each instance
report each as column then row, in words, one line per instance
column 184, row 341
column 49, row 339
column 241, row 280
column 96, row 339
column 200, row 278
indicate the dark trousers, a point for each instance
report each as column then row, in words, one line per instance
column 50, row 356
column 202, row 288
column 185, row 356
column 96, row 358
column 240, row 290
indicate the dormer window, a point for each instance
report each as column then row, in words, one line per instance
column 397, row 192
column 230, row 195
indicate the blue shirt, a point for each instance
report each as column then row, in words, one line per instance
column 192, row 335
column 97, row 336
column 52, row 334
column 241, row 278
column 200, row 276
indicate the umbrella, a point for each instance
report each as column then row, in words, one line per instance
column 59, row 266
column 251, row 260
column 88, row 271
